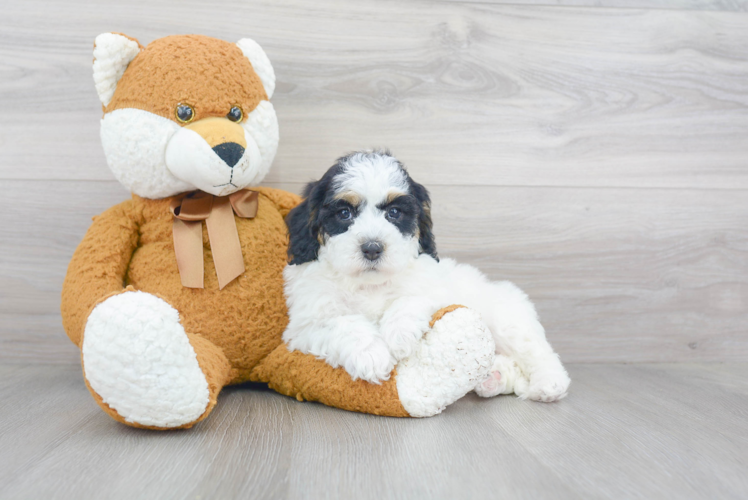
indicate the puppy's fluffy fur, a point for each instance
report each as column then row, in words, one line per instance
column 364, row 279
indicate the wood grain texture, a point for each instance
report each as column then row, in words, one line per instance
column 595, row 156
column 616, row 274
column 720, row 5
column 469, row 93
column 625, row 431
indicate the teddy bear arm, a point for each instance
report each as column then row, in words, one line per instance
column 283, row 200
column 304, row 377
column 98, row 266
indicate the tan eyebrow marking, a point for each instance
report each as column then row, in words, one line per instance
column 351, row 197
column 392, row 195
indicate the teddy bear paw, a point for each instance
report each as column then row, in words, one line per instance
column 451, row 359
column 138, row 359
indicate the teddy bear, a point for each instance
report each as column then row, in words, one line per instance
column 178, row 292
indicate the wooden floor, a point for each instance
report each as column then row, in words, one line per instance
column 625, row 431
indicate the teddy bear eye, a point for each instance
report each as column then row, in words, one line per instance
column 185, row 113
column 235, row 114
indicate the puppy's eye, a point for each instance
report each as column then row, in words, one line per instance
column 394, row 213
column 344, row 214
column 185, row 113
column 235, row 114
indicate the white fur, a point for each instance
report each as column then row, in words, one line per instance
column 112, row 54
column 154, row 157
column 392, row 298
column 372, row 176
column 260, row 63
column 137, row 357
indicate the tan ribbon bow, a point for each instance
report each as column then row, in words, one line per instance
column 218, row 213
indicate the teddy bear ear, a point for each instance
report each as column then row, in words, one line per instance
column 112, row 53
column 260, row 63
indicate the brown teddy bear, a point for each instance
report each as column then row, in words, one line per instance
column 179, row 291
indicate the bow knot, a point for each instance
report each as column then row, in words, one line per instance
column 218, row 212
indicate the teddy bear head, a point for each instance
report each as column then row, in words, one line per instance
column 185, row 113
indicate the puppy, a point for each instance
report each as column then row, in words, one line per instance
column 364, row 280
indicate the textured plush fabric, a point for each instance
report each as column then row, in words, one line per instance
column 441, row 312
column 131, row 244
column 181, row 69
column 235, row 332
column 304, row 377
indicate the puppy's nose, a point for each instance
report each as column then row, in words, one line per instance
column 230, row 152
column 372, row 250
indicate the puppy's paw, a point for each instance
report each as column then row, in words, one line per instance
column 546, row 387
column 491, row 386
column 372, row 363
column 501, row 380
column 403, row 333
column 404, row 323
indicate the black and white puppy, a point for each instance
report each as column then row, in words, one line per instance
column 364, row 280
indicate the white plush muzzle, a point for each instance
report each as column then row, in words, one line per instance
column 155, row 157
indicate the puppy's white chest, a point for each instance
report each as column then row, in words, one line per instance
column 370, row 301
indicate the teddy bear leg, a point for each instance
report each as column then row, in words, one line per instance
column 451, row 359
column 144, row 370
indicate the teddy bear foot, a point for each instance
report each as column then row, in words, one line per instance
column 453, row 357
column 139, row 363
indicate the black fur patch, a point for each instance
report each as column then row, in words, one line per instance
column 426, row 239
column 331, row 220
column 307, row 220
column 408, row 206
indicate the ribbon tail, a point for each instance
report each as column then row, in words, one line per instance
column 224, row 242
column 188, row 247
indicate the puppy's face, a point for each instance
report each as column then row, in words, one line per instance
column 366, row 218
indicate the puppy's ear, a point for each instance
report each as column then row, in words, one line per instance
column 303, row 228
column 426, row 240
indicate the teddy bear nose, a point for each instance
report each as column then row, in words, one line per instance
column 229, row 152
column 372, row 250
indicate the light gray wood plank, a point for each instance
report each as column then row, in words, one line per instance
column 719, row 5
column 634, row 431
column 660, row 426
column 617, row 274
column 34, row 338
column 463, row 93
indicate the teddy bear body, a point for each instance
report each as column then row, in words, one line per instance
column 244, row 336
